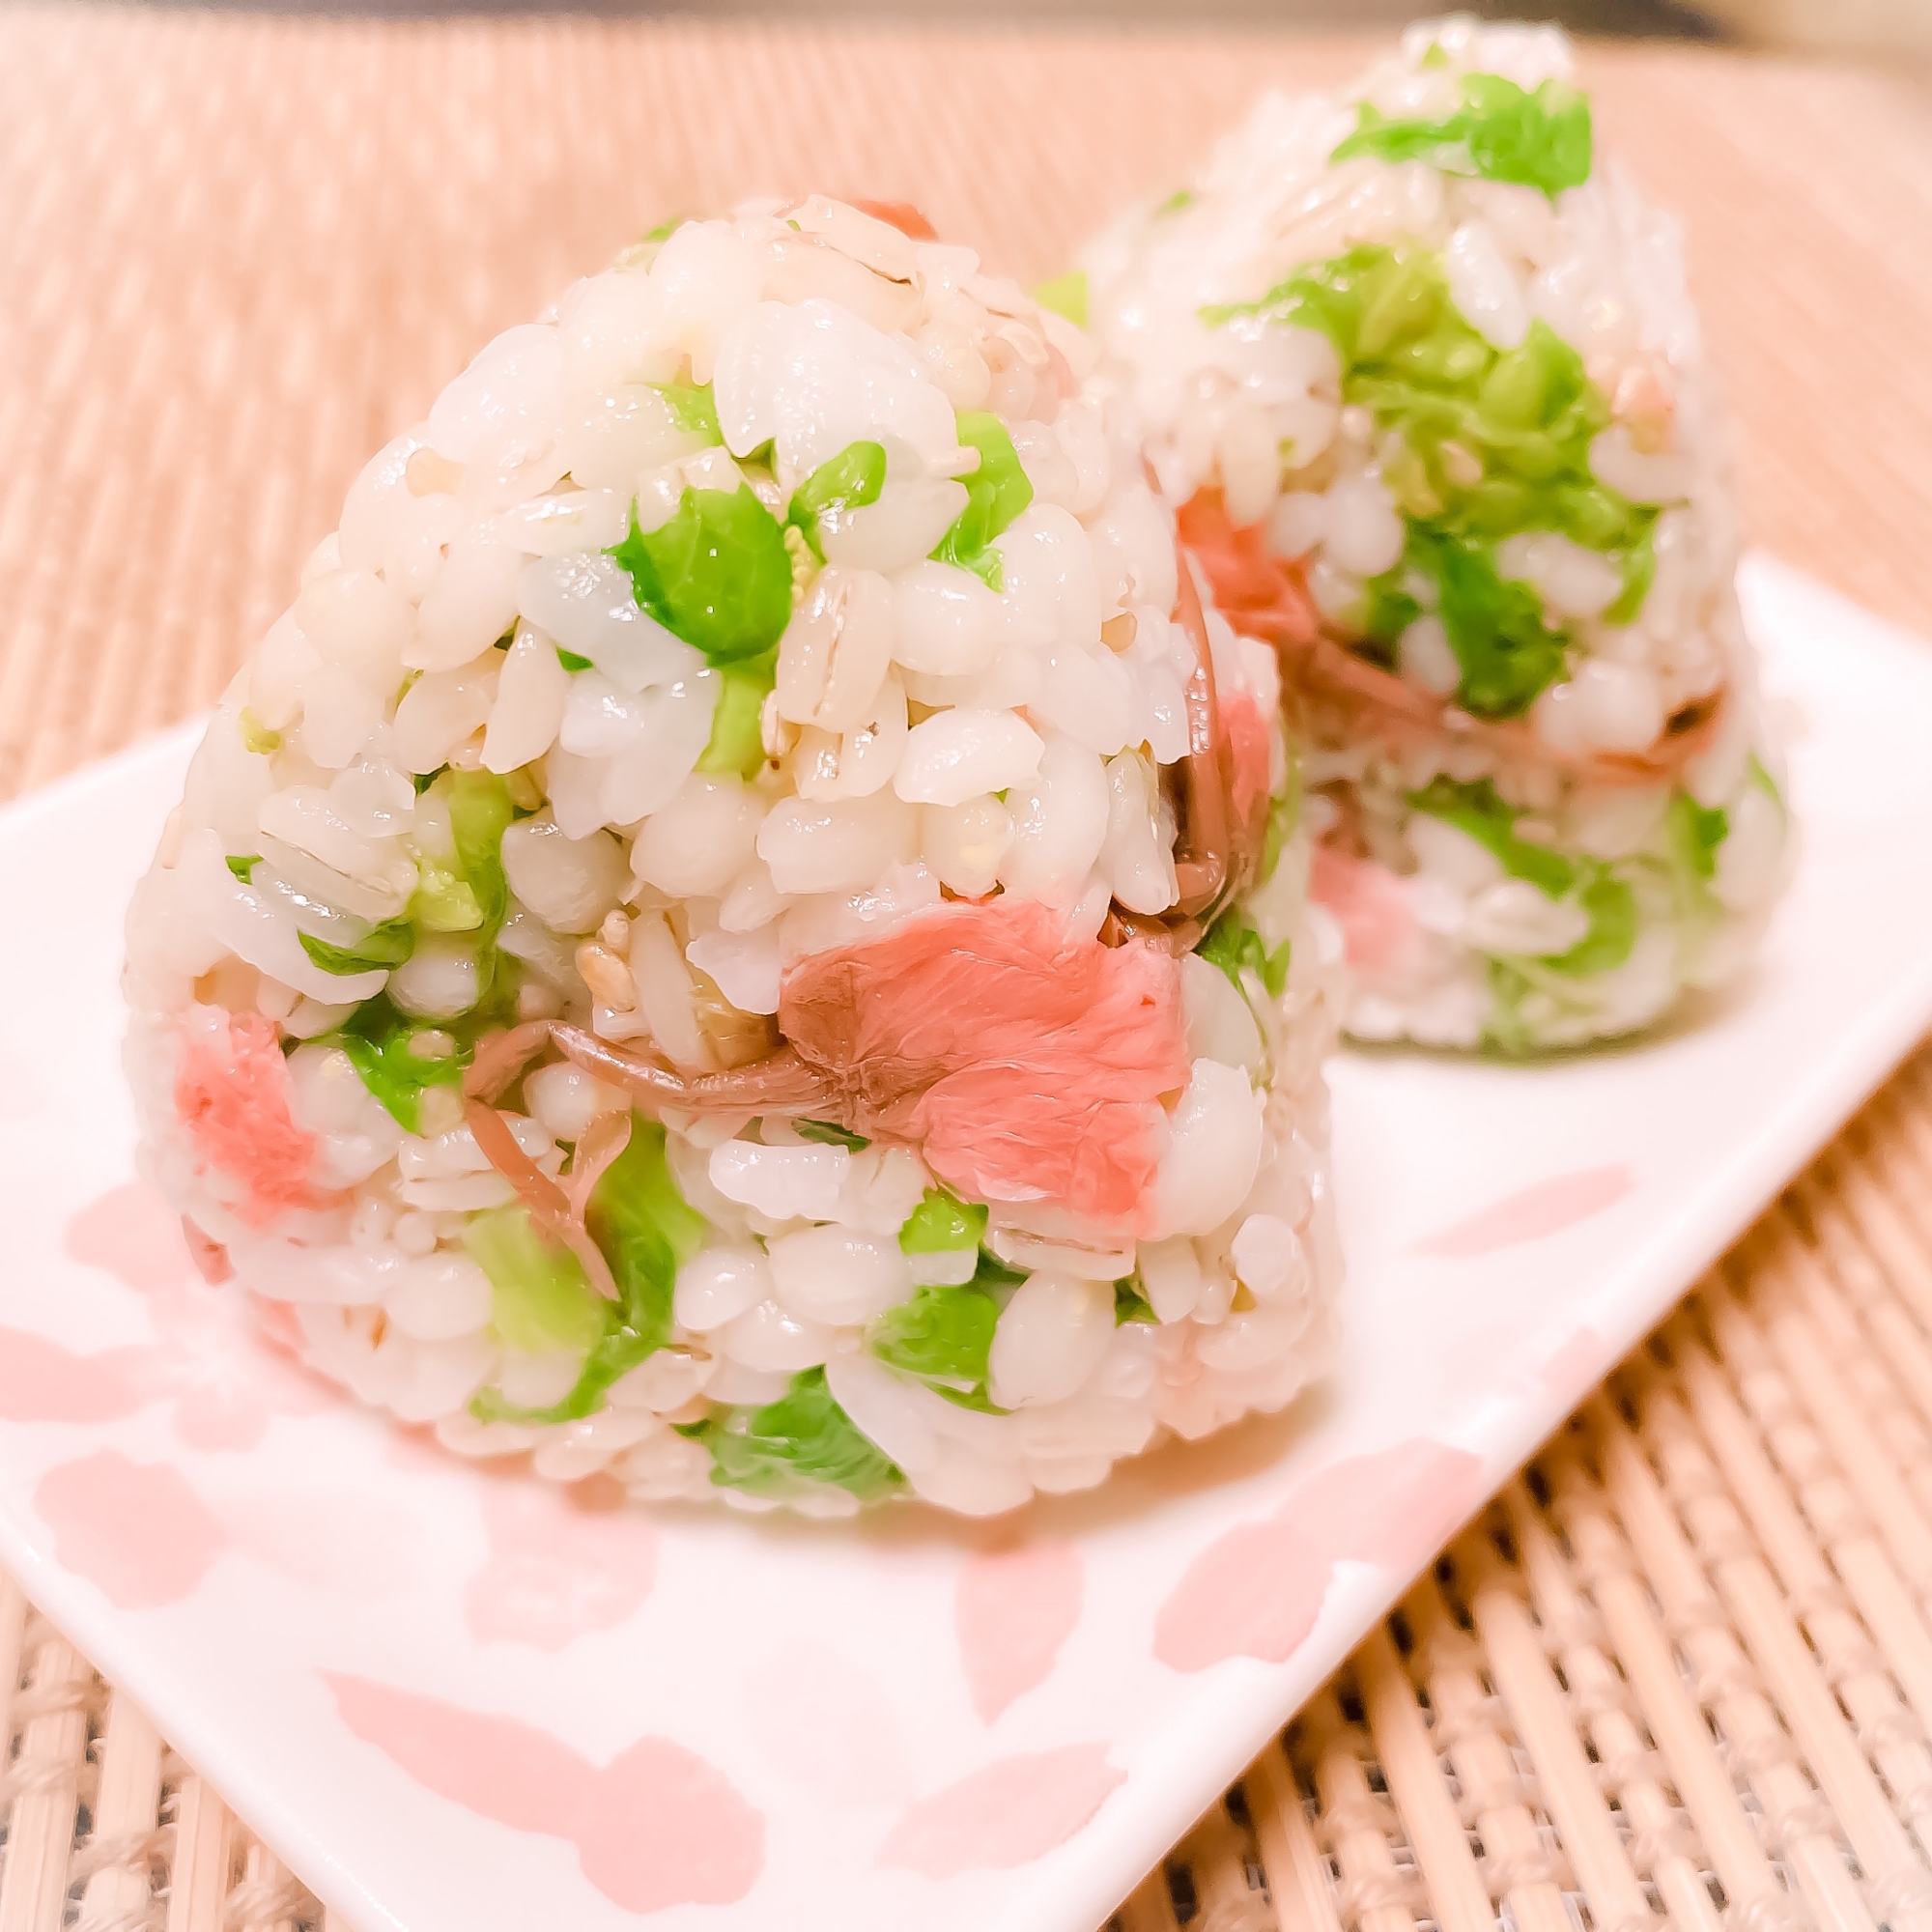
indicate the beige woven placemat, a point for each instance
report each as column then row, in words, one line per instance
column 1686, row 1667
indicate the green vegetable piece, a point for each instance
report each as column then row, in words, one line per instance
column 1182, row 197
column 387, row 945
column 941, row 1223
column 1507, row 1028
column 1436, row 56
column 1765, row 782
column 640, row 1219
column 377, row 1038
column 1527, row 386
column 829, row 1133
column 944, row 1336
column 481, row 812
column 1066, row 294
column 444, row 901
column 1491, row 443
column 996, row 493
column 256, row 737
column 540, row 1301
column 241, row 867
column 737, row 742
column 423, row 780
column 1234, row 946
column 1283, row 815
column 1612, row 934
column 1387, row 612
column 1697, row 833
column 802, row 1435
column 694, row 409
column 572, row 661
column 847, row 481
column 994, row 1276
column 646, row 1230
column 1130, row 1304
column 718, row 574
column 1508, row 655
column 1639, row 573
column 1475, row 809
column 1500, row 132
column 664, row 230
column 383, row 1046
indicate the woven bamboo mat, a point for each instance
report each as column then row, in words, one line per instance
column 1684, row 1668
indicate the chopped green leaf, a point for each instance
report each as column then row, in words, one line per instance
column 1234, row 946
column 996, row 493
column 664, row 230
column 382, row 1045
column 1764, row 782
column 1438, row 55
column 444, row 901
column 481, row 812
column 423, row 780
column 1501, row 133
column 1612, row 934
column 944, row 1336
column 1639, row 573
column 941, row 1223
column 829, row 1133
column 241, row 867
column 387, row 945
column 718, row 574
column 1495, row 625
column 1283, row 815
column 993, row 1274
column 802, row 1435
column 377, row 1038
column 1476, row 809
column 256, row 736
column 1697, row 833
column 1182, row 197
column 1493, row 442
column 842, row 483
column 694, row 409
column 646, row 1230
column 1066, row 294
column 572, row 661
column 737, row 742
column 644, row 1224
column 1388, row 609
column 1130, row 1304
column 540, row 1301
column 1508, row 987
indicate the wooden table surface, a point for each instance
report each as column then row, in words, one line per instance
column 239, row 253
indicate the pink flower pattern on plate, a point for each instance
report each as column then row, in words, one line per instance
column 1532, row 1214
column 1257, row 1589
column 563, row 1562
column 145, row 1535
column 215, row 1355
column 654, row 1828
column 1006, row 1813
column 1013, row 1609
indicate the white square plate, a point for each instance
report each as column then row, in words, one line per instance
column 453, row 1699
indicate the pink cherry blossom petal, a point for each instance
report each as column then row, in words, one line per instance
column 1008, row 1813
column 137, row 1530
column 1533, row 1213
column 657, row 1827
column 1012, row 1611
